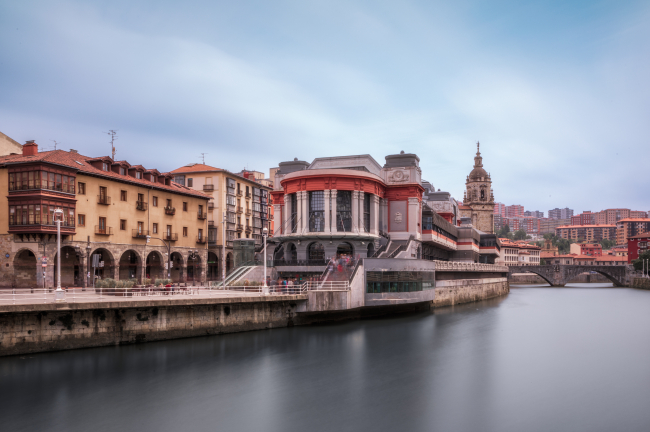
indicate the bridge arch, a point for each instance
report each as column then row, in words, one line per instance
column 523, row 269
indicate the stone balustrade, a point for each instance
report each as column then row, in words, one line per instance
column 469, row 267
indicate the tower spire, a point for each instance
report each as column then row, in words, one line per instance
column 478, row 160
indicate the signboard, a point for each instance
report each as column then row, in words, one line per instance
column 44, row 261
column 96, row 260
column 101, row 264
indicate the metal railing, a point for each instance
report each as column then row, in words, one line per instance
column 103, row 230
column 201, row 239
column 315, row 262
column 141, row 234
column 170, row 210
column 103, row 199
column 140, row 205
column 208, row 187
column 202, row 216
column 170, row 236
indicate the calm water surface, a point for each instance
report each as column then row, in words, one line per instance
column 540, row 359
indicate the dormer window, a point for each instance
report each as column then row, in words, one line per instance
column 153, row 178
column 122, row 171
column 104, row 166
column 138, row 174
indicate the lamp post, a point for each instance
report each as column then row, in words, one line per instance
column 87, row 264
column 59, row 294
column 265, row 232
column 223, row 249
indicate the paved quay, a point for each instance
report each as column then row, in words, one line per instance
column 24, row 300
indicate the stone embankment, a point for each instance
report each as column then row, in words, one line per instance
column 41, row 327
column 643, row 283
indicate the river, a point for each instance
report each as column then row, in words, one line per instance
column 539, row 359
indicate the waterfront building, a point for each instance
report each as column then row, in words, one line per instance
column 589, row 249
column 478, row 201
column 110, row 209
column 519, row 253
column 351, row 207
column 628, row 227
column 240, row 198
column 588, row 233
column 557, row 213
column 611, row 260
column 636, row 245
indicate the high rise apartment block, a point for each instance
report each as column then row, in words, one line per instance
column 557, row 213
column 500, row 209
column 534, row 213
column 584, row 218
column 589, row 233
column 628, row 227
column 514, row 211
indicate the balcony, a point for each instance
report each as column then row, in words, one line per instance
column 208, row 187
column 35, row 227
column 248, row 229
column 210, row 205
column 103, row 230
column 240, row 210
column 248, row 195
column 210, row 223
column 248, row 212
column 140, row 234
column 141, row 205
column 103, row 199
column 201, row 239
column 170, row 211
column 239, row 193
column 170, row 236
column 240, row 228
column 202, row 216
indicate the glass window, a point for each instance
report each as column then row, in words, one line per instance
column 399, row 281
column 190, row 182
column 366, row 212
column 184, row 231
column 154, row 201
column 316, row 211
column 184, row 206
column 122, row 224
column 294, row 213
column 344, row 211
column 155, row 228
column 81, row 220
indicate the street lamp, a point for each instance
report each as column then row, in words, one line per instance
column 59, row 294
column 265, row 233
column 88, row 248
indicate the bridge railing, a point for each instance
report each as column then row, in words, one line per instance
column 470, row 267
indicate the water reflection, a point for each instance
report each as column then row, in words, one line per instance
column 539, row 359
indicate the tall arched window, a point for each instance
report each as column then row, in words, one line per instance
column 316, row 252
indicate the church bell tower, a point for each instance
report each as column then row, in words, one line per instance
column 479, row 196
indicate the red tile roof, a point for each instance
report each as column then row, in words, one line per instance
column 588, row 226
column 635, row 220
column 642, row 235
column 195, row 168
column 81, row 164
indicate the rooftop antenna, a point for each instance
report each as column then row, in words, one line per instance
column 203, row 157
column 55, row 143
column 113, row 134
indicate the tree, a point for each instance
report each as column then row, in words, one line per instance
column 520, row 235
column 607, row 243
column 564, row 245
column 503, row 232
column 542, row 261
column 638, row 263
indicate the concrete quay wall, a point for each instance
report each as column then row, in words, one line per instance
column 453, row 292
column 52, row 327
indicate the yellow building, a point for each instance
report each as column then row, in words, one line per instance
column 238, row 199
column 137, row 221
column 9, row 146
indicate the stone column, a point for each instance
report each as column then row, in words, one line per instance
column 305, row 211
column 414, row 216
column 334, row 218
column 355, row 211
column 326, row 209
column 383, row 208
column 374, row 215
column 286, row 216
column 362, row 227
column 277, row 211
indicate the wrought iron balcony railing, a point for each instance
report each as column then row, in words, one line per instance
column 141, row 234
column 103, row 199
column 208, row 187
column 170, row 236
column 141, row 205
column 103, row 230
column 170, row 211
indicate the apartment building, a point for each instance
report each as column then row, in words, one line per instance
column 136, row 220
column 584, row 218
column 518, row 253
column 588, row 233
column 500, row 209
column 535, row 213
column 588, row 249
column 557, row 213
column 628, row 227
column 514, row 211
column 241, row 199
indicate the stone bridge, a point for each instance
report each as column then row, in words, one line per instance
column 560, row 275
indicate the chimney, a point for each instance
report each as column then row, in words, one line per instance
column 30, row 148
column 73, row 151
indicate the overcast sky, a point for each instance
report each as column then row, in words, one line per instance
column 558, row 93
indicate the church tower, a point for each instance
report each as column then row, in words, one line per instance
column 478, row 202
